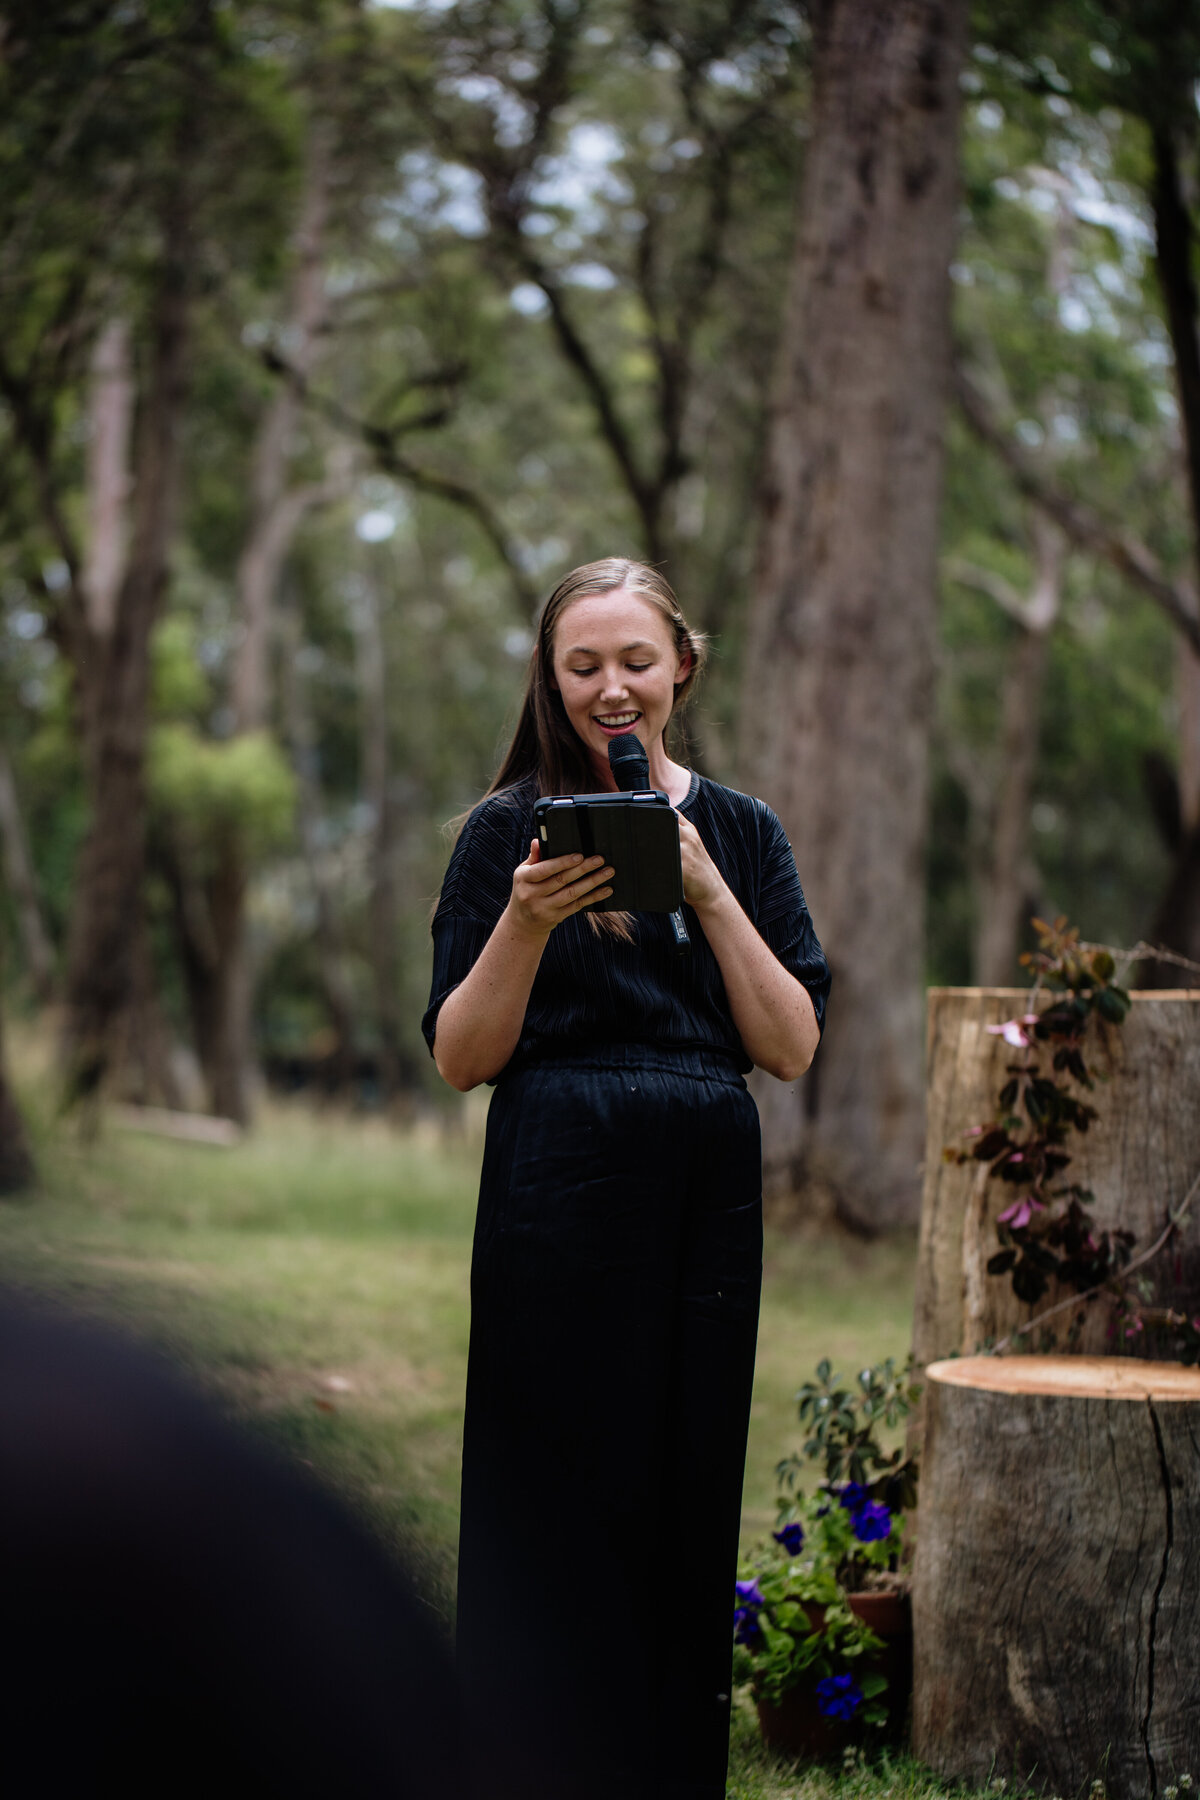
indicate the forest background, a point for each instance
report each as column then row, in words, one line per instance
column 331, row 334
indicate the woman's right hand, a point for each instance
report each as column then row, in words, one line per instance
column 546, row 893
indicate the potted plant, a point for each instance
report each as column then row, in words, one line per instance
column 821, row 1623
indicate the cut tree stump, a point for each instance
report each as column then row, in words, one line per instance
column 1139, row 1159
column 1055, row 1618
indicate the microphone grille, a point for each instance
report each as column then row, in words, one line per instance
column 628, row 761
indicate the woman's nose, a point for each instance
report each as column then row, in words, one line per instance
column 614, row 685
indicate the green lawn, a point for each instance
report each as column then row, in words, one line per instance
column 315, row 1278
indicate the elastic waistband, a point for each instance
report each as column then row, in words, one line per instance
column 708, row 1063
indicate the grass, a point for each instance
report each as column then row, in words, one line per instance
column 315, row 1279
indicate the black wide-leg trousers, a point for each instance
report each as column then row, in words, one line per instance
column 614, row 1291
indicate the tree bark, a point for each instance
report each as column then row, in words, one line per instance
column 110, row 420
column 330, row 949
column 114, row 678
column 1054, row 1617
column 16, row 1163
column 1004, row 874
column 839, row 659
column 379, row 789
column 22, row 885
column 275, row 514
column 1177, row 921
column 1139, row 1159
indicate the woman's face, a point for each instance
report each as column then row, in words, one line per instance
column 616, row 666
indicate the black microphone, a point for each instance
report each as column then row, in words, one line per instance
column 629, row 763
column 631, row 771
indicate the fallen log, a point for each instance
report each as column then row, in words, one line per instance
column 187, row 1128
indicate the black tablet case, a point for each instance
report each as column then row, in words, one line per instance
column 638, row 834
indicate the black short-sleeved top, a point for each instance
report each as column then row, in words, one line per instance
column 593, row 989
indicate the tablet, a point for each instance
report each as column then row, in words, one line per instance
column 638, row 834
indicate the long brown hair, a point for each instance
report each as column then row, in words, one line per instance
column 544, row 743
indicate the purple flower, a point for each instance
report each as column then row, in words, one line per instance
column 871, row 1522
column 1021, row 1211
column 745, row 1617
column 791, row 1537
column 854, row 1495
column 839, row 1696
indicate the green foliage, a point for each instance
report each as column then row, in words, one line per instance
column 803, row 1627
column 178, row 685
column 793, row 1622
column 652, row 158
column 842, row 1426
column 210, row 791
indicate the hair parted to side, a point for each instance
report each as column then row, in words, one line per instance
column 544, row 743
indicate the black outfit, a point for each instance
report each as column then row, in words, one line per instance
column 614, row 1291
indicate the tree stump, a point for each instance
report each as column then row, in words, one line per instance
column 1139, row 1159
column 1056, row 1629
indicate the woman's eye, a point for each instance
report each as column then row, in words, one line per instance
column 583, row 673
column 637, row 668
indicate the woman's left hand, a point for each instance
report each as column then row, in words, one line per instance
column 703, row 883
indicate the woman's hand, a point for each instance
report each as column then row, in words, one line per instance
column 546, row 893
column 703, row 883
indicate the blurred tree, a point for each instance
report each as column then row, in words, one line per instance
column 16, row 1163
column 125, row 128
column 839, row 655
column 1143, row 60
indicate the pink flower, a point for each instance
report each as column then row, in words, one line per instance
column 1020, row 1212
column 1012, row 1033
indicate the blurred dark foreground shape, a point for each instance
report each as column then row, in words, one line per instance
column 184, row 1614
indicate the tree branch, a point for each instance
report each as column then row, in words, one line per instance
column 1084, row 527
column 383, row 443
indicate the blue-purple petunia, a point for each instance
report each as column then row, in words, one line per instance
column 839, row 1696
column 854, row 1495
column 745, row 1615
column 791, row 1537
column 871, row 1522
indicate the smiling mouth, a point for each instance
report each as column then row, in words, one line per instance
column 622, row 721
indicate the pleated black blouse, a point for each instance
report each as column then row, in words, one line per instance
column 595, row 989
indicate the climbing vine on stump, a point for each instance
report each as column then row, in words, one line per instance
column 1047, row 1232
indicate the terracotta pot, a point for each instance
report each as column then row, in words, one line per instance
column 796, row 1726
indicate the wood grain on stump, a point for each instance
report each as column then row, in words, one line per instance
column 1056, row 1602
column 1139, row 1159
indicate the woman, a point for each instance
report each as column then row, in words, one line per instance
column 617, row 1257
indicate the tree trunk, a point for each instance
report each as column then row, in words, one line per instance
column 147, row 1065
column 839, row 660
column 1007, row 876
column 22, row 885
column 1054, row 1618
column 330, row 949
column 275, row 515
column 383, row 902
column 110, row 418
column 16, row 1163
column 114, row 677
column 1139, row 1158
column 1177, row 920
